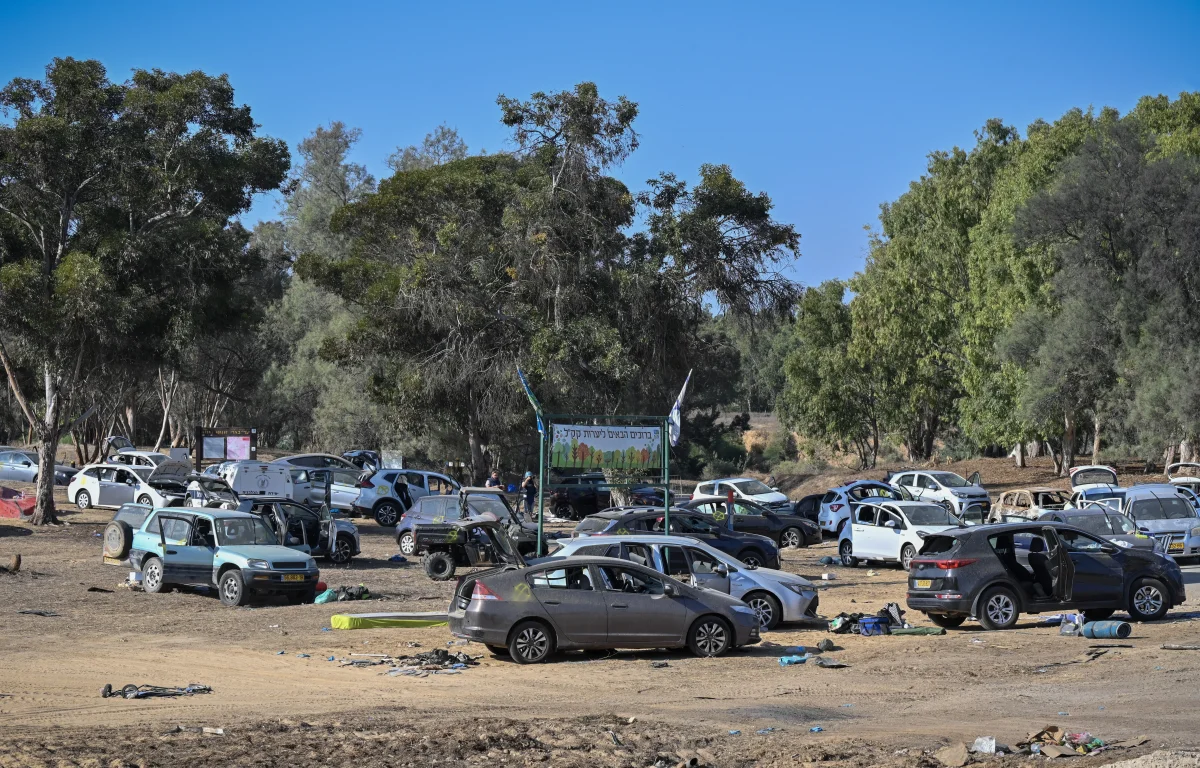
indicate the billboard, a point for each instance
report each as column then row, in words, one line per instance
column 585, row 446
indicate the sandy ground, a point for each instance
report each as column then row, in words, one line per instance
column 900, row 698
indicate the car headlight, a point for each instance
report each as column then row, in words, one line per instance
column 312, row 563
column 1196, row 531
column 959, row 494
column 744, row 609
column 256, row 564
column 799, row 589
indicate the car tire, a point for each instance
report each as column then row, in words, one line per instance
column 1097, row 614
column 408, row 543
column 768, row 608
column 530, row 642
column 152, row 576
column 907, row 554
column 564, row 510
column 387, row 514
column 302, row 598
column 792, row 537
column 118, row 539
column 439, row 566
column 846, row 553
column 343, row 551
column 1148, row 600
column 999, row 609
column 232, row 588
column 945, row 620
column 145, row 500
column 710, row 636
column 752, row 558
column 83, row 500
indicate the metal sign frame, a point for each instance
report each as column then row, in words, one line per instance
column 203, row 432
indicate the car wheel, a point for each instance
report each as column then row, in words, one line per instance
column 767, row 607
column 231, row 588
column 118, row 539
column 1147, row 600
column 531, row 642
column 946, row 620
column 846, row 552
column 152, row 576
column 302, row 598
column 792, row 537
column 343, row 551
column 710, row 636
column 907, row 554
column 439, row 566
column 145, row 500
column 83, row 500
column 563, row 510
column 1097, row 614
column 998, row 609
column 387, row 514
column 752, row 558
column 408, row 544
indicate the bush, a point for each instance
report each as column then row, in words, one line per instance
column 716, row 468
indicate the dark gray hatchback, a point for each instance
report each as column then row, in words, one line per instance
column 997, row 572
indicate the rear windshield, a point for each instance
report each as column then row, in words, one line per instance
column 592, row 524
column 828, row 498
column 1091, row 476
column 937, row 545
column 132, row 515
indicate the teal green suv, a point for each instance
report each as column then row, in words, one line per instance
column 235, row 552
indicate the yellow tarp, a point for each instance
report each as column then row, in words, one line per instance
column 387, row 620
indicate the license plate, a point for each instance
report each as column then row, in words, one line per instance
column 293, row 577
column 1176, row 546
column 924, row 583
column 112, row 561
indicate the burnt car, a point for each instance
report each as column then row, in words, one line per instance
column 998, row 572
column 753, row 550
column 469, row 504
column 786, row 530
column 594, row 602
column 317, row 532
column 581, row 495
column 471, row 543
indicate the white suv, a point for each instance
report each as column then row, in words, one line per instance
column 838, row 503
column 946, row 488
column 744, row 488
column 892, row 532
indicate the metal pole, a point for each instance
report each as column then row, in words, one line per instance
column 541, row 494
column 666, row 477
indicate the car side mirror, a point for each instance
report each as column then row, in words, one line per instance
column 721, row 569
column 26, row 464
column 890, row 524
column 1109, row 549
column 669, row 590
column 292, row 540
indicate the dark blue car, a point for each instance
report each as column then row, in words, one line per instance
column 751, row 549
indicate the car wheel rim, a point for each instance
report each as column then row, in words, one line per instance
column 144, row 500
column 1000, row 609
column 83, row 500
column 846, row 554
column 341, row 552
column 763, row 609
column 752, row 561
column 1147, row 600
column 387, row 516
column 407, row 545
column 710, row 638
column 532, row 643
column 153, row 575
column 229, row 590
column 906, row 558
column 791, row 539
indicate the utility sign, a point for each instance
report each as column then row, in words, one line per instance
column 586, row 446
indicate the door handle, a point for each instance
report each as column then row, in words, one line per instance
column 619, row 605
column 550, row 602
column 172, row 552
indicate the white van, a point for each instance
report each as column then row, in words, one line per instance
column 258, row 478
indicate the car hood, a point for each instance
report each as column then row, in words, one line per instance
column 934, row 528
column 171, row 470
column 1168, row 526
column 268, row 552
column 774, row 497
column 779, row 577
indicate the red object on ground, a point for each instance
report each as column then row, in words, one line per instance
column 321, row 586
column 14, row 504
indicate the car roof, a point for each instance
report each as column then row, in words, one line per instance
column 1002, row 528
column 1151, row 489
column 1037, row 489
column 637, row 538
column 853, row 483
column 1081, row 512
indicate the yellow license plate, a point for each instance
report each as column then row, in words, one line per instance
column 293, row 577
column 1176, row 546
column 924, row 583
column 112, row 561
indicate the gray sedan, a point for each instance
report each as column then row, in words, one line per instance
column 22, row 467
column 595, row 602
column 1099, row 520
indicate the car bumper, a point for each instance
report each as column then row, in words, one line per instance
column 929, row 602
column 746, row 629
column 798, row 606
column 473, row 624
column 278, row 581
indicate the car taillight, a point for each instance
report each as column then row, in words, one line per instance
column 835, row 507
column 943, row 565
column 481, row 592
column 365, row 482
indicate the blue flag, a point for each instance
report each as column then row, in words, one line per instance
column 537, row 407
column 675, row 420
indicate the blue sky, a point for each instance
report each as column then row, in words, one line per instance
column 828, row 108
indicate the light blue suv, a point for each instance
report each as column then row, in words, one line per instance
column 233, row 551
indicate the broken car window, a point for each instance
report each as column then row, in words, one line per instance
column 630, row 581
column 576, row 577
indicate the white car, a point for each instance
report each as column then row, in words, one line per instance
column 892, row 531
column 131, row 458
column 111, row 485
column 1185, row 474
column 1095, row 482
column 838, row 503
column 948, row 489
column 743, row 488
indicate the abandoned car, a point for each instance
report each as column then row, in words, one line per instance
column 111, row 485
column 317, row 532
column 837, row 503
column 1027, row 504
column 948, row 489
column 751, row 549
column 779, row 525
column 892, row 532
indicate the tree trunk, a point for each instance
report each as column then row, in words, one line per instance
column 1019, row 452
column 1068, row 447
column 166, row 394
column 1096, row 441
column 475, row 441
column 44, row 513
column 1056, row 458
column 1169, row 455
column 1185, row 450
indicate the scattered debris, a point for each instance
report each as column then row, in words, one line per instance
column 302, row 656
column 614, row 738
column 872, row 573
column 1172, row 647
column 393, row 620
column 280, row 653
column 659, row 665
column 827, row 560
column 1104, row 630
column 412, row 644
column 918, row 631
column 99, row 589
column 205, row 730
column 1053, row 741
column 132, row 691
column 826, row 645
column 815, row 729
column 828, row 577
column 954, row 756
column 735, row 733
column 791, row 661
column 828, row 663
column 39, row 612
column 397, row 559
column 986, row 745
column 14, row 564
column 764, row 731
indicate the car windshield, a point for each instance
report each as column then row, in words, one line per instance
column 1093, row 476
column 752, row 487
column 244, row 530
column 930, row 514
column 489, row 504
column 949, row 479
column 590, row 524
column 1095, row 524
column 1166, row 509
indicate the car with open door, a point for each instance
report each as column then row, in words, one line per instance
column 111, row 485
column 1095, row 482
column 752, row 549
column 892, row 532
column 782, row 527
column 774, row 595
column 469, row 543
column 594, row 602
column 998, row 572
column 319, row 532
column 235, row 552
column 468, row 504
column 838, row 503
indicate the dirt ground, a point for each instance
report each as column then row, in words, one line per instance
column 280, row 701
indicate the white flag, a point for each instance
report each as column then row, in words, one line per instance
column 675, row 420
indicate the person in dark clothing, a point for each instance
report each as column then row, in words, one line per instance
column 493, row 480
column 530, row 490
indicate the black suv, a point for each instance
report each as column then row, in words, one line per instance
column 589, row 493
column 755, row 551
column 751, row 517
column 998, row 572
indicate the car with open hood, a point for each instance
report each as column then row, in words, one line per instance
column 1095, row 482
column 775, row 596
column 212, row 492
column 1166, row 514
column 111, row 485
column 1185, row 474
column 752, row 549
column 235, row 552
column 838, row 503
column 892, row 532
column 995, row 573
column 1027, row 504
column 530, row 612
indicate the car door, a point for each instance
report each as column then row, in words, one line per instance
column 909, row 483
column 751, row 518
column 1062, row 568
column 1099, row 577
column 707, row 571
column 302, row 486
column 188, row 548
column 862, row 531
column 568, row 595
column 7, row 469
column 889, row 534
column 640, row 614
column 343, row 490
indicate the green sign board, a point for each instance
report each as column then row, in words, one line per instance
column 585, row 446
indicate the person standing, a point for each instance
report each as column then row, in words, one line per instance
column 493, row 480
column 530, row 490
